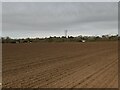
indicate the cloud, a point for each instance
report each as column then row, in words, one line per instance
column 50, row 18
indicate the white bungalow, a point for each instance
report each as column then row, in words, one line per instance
column 83, row 41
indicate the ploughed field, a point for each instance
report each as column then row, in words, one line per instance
column 60, row 65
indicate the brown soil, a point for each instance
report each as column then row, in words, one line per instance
column 61, row 65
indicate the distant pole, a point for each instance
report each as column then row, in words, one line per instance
column 66, row 33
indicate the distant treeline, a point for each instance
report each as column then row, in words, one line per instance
column 62, row 39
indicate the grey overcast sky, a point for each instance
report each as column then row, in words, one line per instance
column 44, row 19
